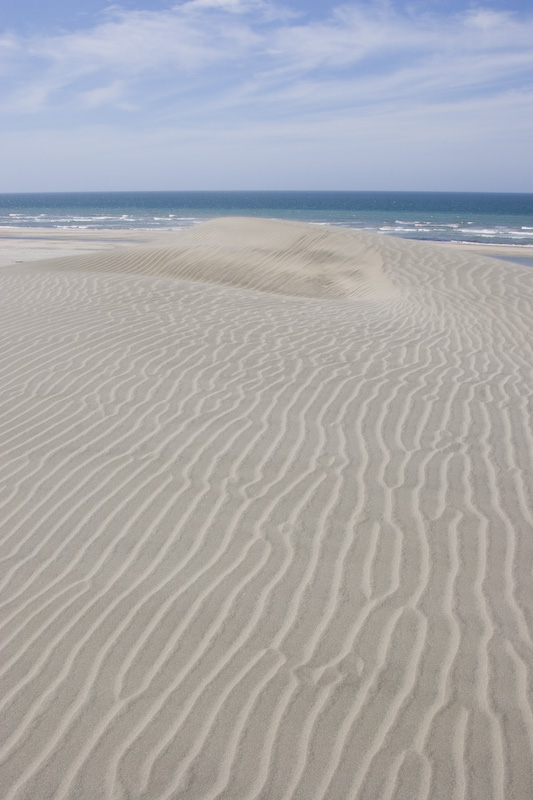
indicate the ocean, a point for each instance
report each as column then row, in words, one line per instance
column 505, row 219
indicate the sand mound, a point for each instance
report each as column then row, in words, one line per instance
column 263, row 547
column 266, row 255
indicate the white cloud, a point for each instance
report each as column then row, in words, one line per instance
column 253, row 72
column 227, row 41
column 233, row 6
column 112, row 94
column 144, row 41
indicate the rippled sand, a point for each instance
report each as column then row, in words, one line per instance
column 267, row 520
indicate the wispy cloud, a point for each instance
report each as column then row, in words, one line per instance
column 111, row 94
column 246, row 48
column 209, row 67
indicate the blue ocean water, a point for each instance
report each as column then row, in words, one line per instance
column 434, row 216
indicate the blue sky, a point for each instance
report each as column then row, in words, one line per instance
column 254, row 94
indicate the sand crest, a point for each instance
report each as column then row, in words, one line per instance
column 267, row 255
column 267, row 514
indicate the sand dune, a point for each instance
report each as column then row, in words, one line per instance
column 266, row 255
column 267, row 515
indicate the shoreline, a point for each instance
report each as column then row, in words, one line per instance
column 523, row 250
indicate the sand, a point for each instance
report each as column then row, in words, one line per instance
column 267, row 520
column 19, row 245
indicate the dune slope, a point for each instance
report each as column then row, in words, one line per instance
column 266, row 255
column 266, row 521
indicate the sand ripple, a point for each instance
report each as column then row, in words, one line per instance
column 262, row 546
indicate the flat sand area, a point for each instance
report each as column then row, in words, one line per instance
column 266, row 502
column 19, row 245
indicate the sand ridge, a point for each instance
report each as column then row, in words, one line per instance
column 289, row 258
column 266, row 543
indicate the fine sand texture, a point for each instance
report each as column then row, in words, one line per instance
column 266, row 520
column 35, row 244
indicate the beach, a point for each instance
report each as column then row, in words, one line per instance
column 18, row 246
column 266, row 491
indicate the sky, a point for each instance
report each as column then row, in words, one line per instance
column 261, row 94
